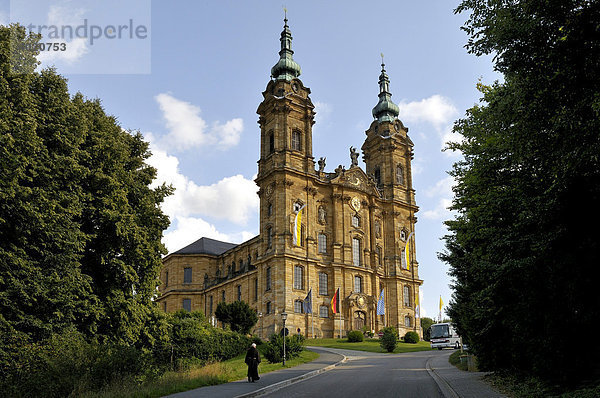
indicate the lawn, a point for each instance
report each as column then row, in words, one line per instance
column 199, row 376
column 371, row 345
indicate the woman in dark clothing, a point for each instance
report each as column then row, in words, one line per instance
column 252, row 360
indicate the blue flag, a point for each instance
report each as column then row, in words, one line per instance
column 381, row 304
column 308, row 303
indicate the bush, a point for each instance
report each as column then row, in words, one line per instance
column 389, row 340
column 273, row 350
column 411, row 337
column 257, row 340
column 355, row 336
column 240, row 317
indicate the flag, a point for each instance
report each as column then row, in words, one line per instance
column 441, row 303
column 407, row 251
column 298, row 227
column 381, row 304
column 308, row 303
column 335, row 306
column 417, row 309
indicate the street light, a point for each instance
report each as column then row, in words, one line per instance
column 261, row 325
column 283, row 318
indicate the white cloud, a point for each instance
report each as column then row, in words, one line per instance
column 76, row 48
column 188, row 130
column 437, row 110
column 232, row 198
column 443, row 191
column 322, row 110
column 186, row 230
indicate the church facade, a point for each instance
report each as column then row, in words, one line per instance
column 348, row 231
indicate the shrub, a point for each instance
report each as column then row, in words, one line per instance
column 240, row 317
column 389, row 340
column 411, row 337
column 273, row 350
column 257, row 340
column 355, row 336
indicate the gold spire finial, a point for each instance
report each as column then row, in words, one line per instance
column 381, row 58
column 284, row 13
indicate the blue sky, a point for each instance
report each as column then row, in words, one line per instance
column 193, row 84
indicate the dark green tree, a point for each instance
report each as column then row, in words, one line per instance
column 524, row 270
column 80, row 227
column 425, row 325
column 389, row 339
column 240, row 317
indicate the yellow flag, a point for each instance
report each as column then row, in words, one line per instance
column 407, row 251
column 441, row 303
column 298, row 227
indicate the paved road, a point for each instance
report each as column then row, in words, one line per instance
column 381, row 375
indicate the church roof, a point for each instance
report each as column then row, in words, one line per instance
column 206, row 246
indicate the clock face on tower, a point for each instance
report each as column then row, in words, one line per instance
column 355, row 203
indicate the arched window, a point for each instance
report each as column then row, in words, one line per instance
column 268, row 309
column 323, row 288
column 324, row 311
column 298, row 277
column 357, row 284
column 399, row 175
column 355, row 221
column 269, row 237
column 356, row 252
column 296, row 140
column 378, row 176
column 271, row 143
column 268, row 278
column 322, row 243
column 223, row 296
column 269, row 209
column 239, row 292
column 406, row 296
column 407, row 321
column 298, row 306
column 379, row 255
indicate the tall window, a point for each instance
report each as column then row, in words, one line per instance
column 239, row 292
column 164, row 306
column 255, row 289
column 323, row 284
column 223, row 296
column 268, row 307
column 407, row 321
column 357, row 284
column 298, row 306
column 187, row 275
column 166, row 278
column 298, row 277
column 356, row 252
column 269, row 209
column 399, row 175
column 406, row 296
column 271, row 143
column 324, row 311
column 187, row 304
column 268, row 279
column 210, row 305
column 296, row 141
column 355, row 221
column 322, row 243
column 378, row 176
column 378, row 251
column 269, row 237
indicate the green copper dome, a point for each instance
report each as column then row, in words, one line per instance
column 385, row 110
column 286, row 68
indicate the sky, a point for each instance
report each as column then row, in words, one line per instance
column 189, row 76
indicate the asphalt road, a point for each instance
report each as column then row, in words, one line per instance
column 372, row 375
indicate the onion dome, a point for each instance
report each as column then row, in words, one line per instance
column 286, row 68
column 385, row 110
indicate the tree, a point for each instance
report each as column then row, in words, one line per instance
column 389, row 339
column 524, row 273
column 240, row 317
column 425, row 325
column 80, row 227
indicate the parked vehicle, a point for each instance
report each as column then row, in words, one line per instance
column 443, row 335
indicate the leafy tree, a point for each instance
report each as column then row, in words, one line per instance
column 411, row 337
column 425, row 325
column 240, row 317
column 529, row 184
column 80, row 227
column 389, row 339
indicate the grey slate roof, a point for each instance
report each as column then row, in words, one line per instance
column 206, row 246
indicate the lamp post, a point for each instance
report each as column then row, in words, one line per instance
column 283, row 318
column 261, row 325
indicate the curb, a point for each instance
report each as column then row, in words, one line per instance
column 285, row 383
column 443, row 385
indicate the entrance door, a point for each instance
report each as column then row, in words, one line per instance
column 359, row 320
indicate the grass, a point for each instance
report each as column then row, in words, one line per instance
column 531, row 387
column 197, row 376
column 461, row 363
column 370, row 345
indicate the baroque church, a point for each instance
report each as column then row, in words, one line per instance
column 344, row 236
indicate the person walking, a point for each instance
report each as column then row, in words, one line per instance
column 252, row 360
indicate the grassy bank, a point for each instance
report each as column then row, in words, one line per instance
column 211, row 374
column 371, row 345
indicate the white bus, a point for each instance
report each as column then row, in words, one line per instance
column 443, row 335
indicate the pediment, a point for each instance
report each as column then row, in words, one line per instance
column 356, row 178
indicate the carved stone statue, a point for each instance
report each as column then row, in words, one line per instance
column 353, row 156
column 322, row 215
column 377, row 229
column 321, row 163
column 339, row 170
